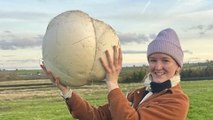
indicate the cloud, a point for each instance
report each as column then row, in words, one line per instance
column 201, row 29
column 133, row 52
column 198, row 27
column 209, row 27
column 11, row 41
column 144, row 52
column 152, row 36
column 7, row 56
column 126, row 38
column 19, row 64
column 188, row 51
column 146, row 6
column 195, row 60
column 24, row 15
column 22, row 61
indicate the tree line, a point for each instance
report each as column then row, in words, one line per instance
column 190, row 71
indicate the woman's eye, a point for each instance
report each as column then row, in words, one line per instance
column 165, row 60
column 152, row 60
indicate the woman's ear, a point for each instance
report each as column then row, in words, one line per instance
column 178, row 71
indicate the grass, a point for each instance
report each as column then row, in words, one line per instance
column 44, row 103
column 200, row 94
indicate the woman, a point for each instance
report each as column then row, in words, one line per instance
column 161, row 99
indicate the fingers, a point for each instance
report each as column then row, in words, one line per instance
column 44, row 69
column 107, row 69
column 55, row 80
column 115, row 56
column 109, row 59
column 114, row 63
column 51, row 77
column 49, row 74
column 120, row 58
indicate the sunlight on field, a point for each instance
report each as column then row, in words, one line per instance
column 18, row 82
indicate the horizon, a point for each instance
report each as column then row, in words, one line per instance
column 124, row 65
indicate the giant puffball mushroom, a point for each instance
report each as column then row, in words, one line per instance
column 73, row 44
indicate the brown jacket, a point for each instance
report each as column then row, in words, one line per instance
column 170, row 104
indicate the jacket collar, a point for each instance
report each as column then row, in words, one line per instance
column 158, row 87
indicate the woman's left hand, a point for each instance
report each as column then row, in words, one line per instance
column 112, row 67
column 54, row 79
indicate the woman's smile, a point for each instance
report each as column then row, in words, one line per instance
column 162, row 67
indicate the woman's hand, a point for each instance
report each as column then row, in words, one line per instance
column 56, row 80
column 112, row 67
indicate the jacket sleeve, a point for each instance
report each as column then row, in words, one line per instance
column 82, row 110
column 120, row 107
column 164, row 108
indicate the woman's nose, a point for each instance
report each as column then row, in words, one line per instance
column 158, row 65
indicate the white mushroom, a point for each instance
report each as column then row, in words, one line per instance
column 73, row 44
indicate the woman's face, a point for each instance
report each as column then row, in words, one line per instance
column 162, row 67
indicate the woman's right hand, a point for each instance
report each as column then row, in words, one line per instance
column 112, row 66
column 56, row 80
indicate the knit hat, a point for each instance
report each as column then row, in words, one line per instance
column 167, row 42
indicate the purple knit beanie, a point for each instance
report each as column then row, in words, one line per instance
column 167, row 42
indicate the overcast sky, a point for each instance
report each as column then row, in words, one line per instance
column 23, row 24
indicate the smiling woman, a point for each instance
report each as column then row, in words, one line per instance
column 162, row 98
column 165, row 56
column 162, row 67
